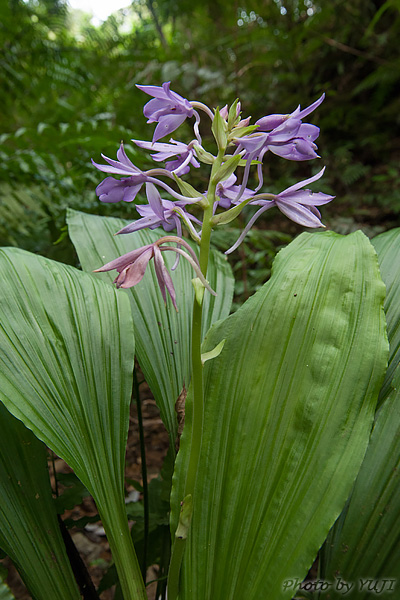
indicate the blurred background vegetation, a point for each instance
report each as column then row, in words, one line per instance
column 68, row 93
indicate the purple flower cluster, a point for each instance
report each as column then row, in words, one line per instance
column 285, row 135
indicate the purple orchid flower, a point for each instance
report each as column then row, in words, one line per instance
column 132, row 266
column 164, row 213
column 227, row 192
column 296, row 203
column 184, row 152
column 284, row 135
column 167, row 108
column 126, row 189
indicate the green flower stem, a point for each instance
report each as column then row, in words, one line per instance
column 197, row 367
column 196, row 381
column 115, row 523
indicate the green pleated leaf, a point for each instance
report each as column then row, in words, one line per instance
column 29, row 530
column 289, row 405
column 364, row 546
column 365, row 541
column 162, row 336
column 387, row 246
column 66, row 361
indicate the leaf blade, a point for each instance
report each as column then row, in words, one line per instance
column 69, row 338
column 29, row 531
column 364, row 541
column 162, row 336
column 273, row 412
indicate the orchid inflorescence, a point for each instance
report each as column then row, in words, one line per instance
column 239, row 145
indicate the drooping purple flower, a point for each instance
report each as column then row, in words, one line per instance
column 126, row 189
column 162, row 213
column 132, row 266
column 296, row 203
column 167, row 108
column 184, row 152
column 227, row 192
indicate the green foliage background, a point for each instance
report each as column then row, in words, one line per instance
column 68, row 94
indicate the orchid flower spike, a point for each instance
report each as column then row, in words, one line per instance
column 132, row 266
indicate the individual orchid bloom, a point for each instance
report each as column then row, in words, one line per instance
column 227, row 192
column 296, row 203
column 168, row 109
column 292, row 139
column 284, row 135
column 132, row 266
column 163, row 213
column 184, row 152
column 126, row 189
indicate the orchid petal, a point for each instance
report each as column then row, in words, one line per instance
column 311, row 108
column 298, row 213
column 306, row 197
column 122, row 157
column 155, row 202
column 112, row 169
column 302, row 184
column 290, row 152
column 285, row 132
column 130, row 168
column 167, row 124
column 308, row 131
column 150, row 222
column 130, row 192
column 153, row 90
column 134, row 273
column 122, row 262
column 163, row 277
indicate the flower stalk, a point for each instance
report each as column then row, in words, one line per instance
column 239, row 145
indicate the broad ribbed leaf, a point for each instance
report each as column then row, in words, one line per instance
column 162, row 335
column 387, row 246
column 66, row 361
column 29, row 530
column 365, row 541
column 289, row 405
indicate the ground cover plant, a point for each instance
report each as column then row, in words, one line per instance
column 269, row 410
